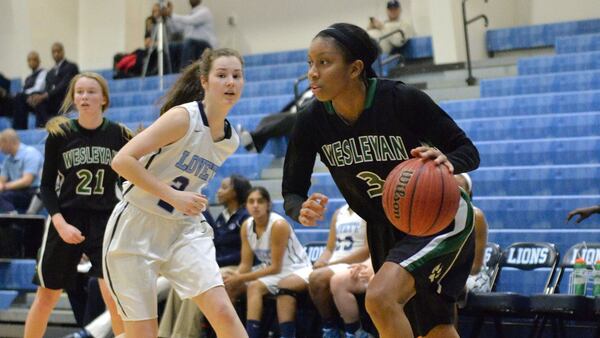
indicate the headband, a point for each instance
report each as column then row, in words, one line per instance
column 356, row 49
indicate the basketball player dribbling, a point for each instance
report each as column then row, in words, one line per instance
column 362, row 127
column 158, row 228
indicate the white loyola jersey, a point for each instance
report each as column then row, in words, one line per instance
column 187, row 164
column 294, row 257
column 350, row 233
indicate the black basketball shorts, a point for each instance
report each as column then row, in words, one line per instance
column 57, row 260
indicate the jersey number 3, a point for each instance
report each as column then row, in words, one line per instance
column 179, row 183
column 374, row 182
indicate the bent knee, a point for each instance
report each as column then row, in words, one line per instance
column 256, row 288
column 319, row 279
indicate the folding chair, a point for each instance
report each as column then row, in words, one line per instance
column 560, row 306
column 526, row 257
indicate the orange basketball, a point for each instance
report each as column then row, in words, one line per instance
column 420, row 198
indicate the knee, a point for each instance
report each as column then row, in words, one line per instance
column 255, row 289
column 337, row 283
column 47, row 298
column 378, row 299
column 319, row 280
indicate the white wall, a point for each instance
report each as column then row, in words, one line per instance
column 100, row 34
column 547, row 11
column 92, row 31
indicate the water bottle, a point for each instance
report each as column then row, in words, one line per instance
column 596, row 291
column 579, row 270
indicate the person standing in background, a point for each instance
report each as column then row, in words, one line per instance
column 198, row 31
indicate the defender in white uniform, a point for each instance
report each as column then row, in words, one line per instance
column 294, row 257
column 269, row 237
column 158, row 228
column 346, row 244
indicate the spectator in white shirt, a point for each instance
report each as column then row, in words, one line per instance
column 198, row 31
column 380, row 29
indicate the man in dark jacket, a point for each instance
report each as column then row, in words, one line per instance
column 47, row 104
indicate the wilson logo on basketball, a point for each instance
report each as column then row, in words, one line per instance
column 400, row 190
column 420, row 198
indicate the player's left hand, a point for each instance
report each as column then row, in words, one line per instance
column 230, row 278
column 433, row 154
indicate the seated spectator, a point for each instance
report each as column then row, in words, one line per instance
column 272, row 125
column 270, row 238
column 20, row 174
column 379, row 30
column 34, row 84
column 344, row 286
column 583, row 213
column 47, row 103
column 197, row 29
column 346, row 244
column 182, row 318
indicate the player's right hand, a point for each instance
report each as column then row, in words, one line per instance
column 313, row 209
column 188, row 202
column 70, row 234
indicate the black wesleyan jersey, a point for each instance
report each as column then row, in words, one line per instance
column 396, row 119
column 81, row 160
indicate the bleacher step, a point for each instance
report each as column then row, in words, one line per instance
column 453, row 78
column 63, row 302
column 16, row 331
column 18, row 315
column 460, row 92
column 275, row 170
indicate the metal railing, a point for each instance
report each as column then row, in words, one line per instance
column 380, row 61
column 470, row 79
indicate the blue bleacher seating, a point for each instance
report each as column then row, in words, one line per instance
column 420, row 47
column 17, row 274
column 531, row 127
column 577, row 44
column 261, row 105
column 141, row 84
column 5, row 122
column 275, row 72
column 534, row 212
column 133, row 114
column 539, row 151
column 265, row 59
column 540, row 180
column 16, row 86
column 564, row 102
column 556, row 82
column 543, row 35
column 559, row 63
column 143, row 98
column 6, row 298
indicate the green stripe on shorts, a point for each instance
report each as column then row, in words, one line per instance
column 446, row 243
